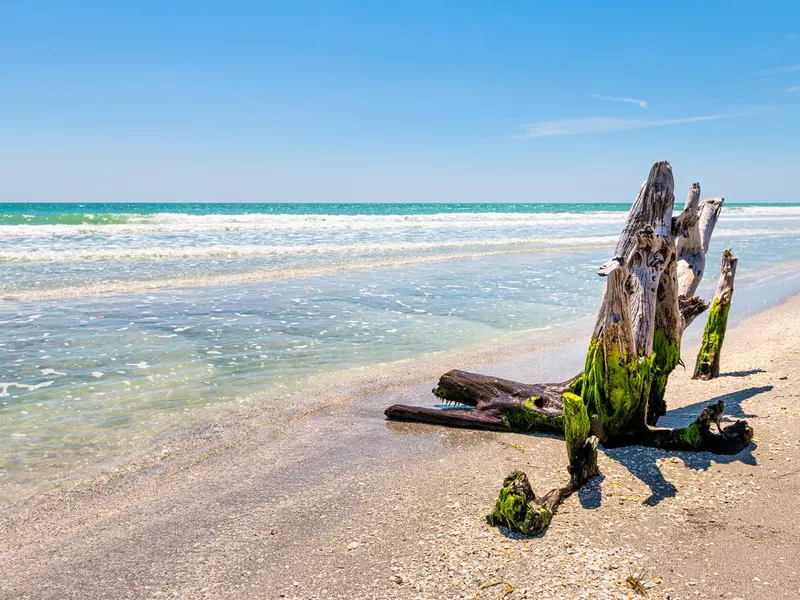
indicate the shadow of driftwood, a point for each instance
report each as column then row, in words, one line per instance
column 591, row 494
column 643, row 462
column 681, row 417
column 742, row 373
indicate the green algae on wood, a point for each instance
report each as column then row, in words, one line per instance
column 528, row 417
column 577, row 426
column 692, row 435
column 713, row 336
column 581, row 444
column 615, row 388
column 516, row 507
column 708, row 359
column 666, row 356
column 577, row 385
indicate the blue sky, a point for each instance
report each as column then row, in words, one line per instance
column 396, row 101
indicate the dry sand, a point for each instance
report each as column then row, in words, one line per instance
column 341, row 504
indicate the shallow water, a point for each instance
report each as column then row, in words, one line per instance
column 119, row 325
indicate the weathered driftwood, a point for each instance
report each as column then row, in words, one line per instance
column 689, row 244
column 695, row 224
column 628, row 367
column 707, row 366
column 709, row 213
column 730, row 439
column 690, row 261
column 647, row 245
column 691, row 308
column 616, row 377
column 634, row 346
column 667, row 322
column 622, row 370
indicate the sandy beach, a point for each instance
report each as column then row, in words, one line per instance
column 339, row 503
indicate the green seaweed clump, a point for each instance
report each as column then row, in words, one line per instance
column 616, row 387
column 528, row 418
column 577, row 426
column 713, row 336
column 516, row 507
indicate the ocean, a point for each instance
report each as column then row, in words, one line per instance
column 123, row 323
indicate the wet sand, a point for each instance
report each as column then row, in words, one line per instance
column 339, row 503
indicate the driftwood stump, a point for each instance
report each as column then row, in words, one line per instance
column 634, row 346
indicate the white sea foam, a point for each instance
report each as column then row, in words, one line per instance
column 42, row 254
column 31, row 387
column 183, row 223
column 81, row 252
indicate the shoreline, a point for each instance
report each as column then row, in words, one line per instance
column 222, row 424
column 362, row 507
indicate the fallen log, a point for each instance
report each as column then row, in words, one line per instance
column 707, row 366
column 483, row 402
column 730, row 439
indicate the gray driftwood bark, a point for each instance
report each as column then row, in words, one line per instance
column 646, row 258
column 695, row 226
column 691, row 257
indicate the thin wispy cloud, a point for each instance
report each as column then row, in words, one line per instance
column 795, row 89
column 605, row 124
column 777, row 70
column 639, row 103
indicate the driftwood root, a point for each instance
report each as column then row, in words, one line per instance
column 700, row 436
column 483, row 402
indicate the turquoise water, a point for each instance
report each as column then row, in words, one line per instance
column 109, row 213
column 122, row 322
